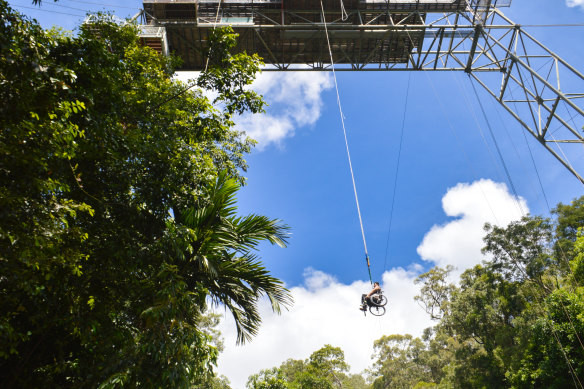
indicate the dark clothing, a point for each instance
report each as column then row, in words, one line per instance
column 365, row 301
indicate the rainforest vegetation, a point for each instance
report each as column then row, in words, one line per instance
column 119, row 227
column 514, row 321
column 118, row 217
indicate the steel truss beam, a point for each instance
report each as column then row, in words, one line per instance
column 537, row 87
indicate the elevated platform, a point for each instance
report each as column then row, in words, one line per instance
column 471, row 36
column 291, row 32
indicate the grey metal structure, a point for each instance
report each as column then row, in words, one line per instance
column 538, row 88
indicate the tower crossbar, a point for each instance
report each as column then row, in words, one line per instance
column 543, row 92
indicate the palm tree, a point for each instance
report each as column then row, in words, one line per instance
column 218, row 254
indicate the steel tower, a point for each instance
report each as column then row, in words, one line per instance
column 537, row 87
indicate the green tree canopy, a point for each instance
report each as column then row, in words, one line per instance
column 515, row 320
column 118, row 223
column 398, row 362
column 325, row 368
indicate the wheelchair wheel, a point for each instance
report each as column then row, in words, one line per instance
column 379, row 300
column 377, row 310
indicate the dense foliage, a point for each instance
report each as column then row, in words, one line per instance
column 118, row 223
column 324, row 369
column 514, row 321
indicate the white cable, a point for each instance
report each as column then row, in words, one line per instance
column 344, row 14
column 343, row 123
column 214, row 26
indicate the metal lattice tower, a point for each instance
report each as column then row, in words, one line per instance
column 537, row 87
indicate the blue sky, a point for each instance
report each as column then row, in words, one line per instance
column 449, row 183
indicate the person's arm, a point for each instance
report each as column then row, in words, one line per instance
column 375, row 290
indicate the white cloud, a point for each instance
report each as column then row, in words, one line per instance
column 459, row 242
column 325, row 312
column 575, row 3
column 299, row 91
column 189, row 77
column 266, row 128
column 186, row 76
column 294, row 100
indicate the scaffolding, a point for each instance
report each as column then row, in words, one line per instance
column 536, row 86
column 287, row 33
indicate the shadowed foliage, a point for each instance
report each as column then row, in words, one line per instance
column 118, row 223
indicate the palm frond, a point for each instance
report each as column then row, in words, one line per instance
column 221, row 258
column 252, row 229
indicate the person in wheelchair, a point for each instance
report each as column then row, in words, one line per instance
column 366, row 298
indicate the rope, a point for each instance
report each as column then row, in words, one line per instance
column 346, row 141
column 526, row 168
column 497, row 147
column 401, row 138
column 496, row 165
column 214, row 27
column 573, row 374
column 469, row 161
column 344, row 14
column 563, row 255
column 539, row 287
column 194, row 83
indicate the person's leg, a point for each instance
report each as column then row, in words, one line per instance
column 364, row 302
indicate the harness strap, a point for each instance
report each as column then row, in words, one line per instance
column 369, row 268
column 345, row 135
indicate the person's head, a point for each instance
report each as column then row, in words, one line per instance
column 376, row 283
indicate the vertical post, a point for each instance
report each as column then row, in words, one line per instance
column 369, row 268
column 473, row 48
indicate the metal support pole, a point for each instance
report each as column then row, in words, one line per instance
column 473, row 37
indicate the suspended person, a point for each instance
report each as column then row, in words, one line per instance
column 365, row 298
